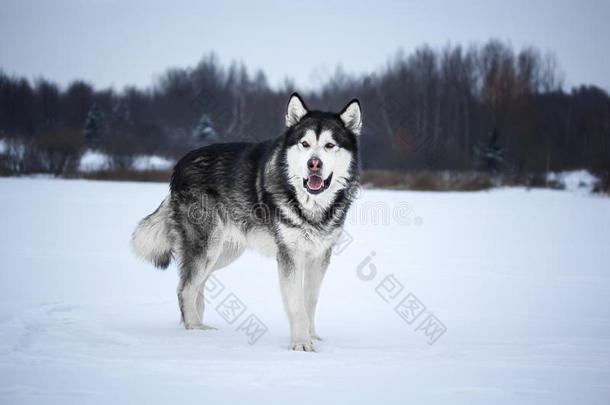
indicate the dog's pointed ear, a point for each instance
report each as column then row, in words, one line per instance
column 295, row 111
column 351, row 116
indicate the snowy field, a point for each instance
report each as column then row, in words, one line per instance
column 498, row 297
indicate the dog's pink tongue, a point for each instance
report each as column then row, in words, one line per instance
column 314, row 182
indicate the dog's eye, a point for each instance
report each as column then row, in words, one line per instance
column 305, row 144
column 330, row 145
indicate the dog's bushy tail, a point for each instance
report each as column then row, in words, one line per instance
column 152, row 240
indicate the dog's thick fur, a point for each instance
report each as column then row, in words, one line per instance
column 286, row 197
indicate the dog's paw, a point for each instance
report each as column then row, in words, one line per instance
column 302, row 346
column 314, row 336
column 199, row 326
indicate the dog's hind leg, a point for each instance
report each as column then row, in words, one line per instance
column 190, row 292
column 314, row 274
column 200, row 301
column 197, row 265
column 196, row 270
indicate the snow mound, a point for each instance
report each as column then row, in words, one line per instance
column 92, row 161
column 575, row 180
column 152, row 162
column 12, row 147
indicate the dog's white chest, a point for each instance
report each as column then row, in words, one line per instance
column 307, row 240
column 262, row 241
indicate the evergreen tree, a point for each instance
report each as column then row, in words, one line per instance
column 204, row 132
column 121, row 113
column 490, row 154
column 95, row 124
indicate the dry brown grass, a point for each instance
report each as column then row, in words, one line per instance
column 427, row 180
column 158, row 176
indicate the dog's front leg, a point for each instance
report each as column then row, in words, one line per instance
column 314, row 274
column 291, row 283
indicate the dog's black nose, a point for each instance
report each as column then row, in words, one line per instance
column 314, row 164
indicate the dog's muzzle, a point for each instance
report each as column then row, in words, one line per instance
column 315, row 184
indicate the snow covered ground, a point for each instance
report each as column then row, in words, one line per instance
column 510, row 285
column 92, row 161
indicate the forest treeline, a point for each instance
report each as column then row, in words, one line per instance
column 484, row 107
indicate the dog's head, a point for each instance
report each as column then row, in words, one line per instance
column 321, row 148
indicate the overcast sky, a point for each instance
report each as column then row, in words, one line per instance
column 115, row 43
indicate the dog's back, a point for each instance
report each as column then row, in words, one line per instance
column 221, row 177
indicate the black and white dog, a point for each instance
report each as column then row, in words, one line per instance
column 286, row 197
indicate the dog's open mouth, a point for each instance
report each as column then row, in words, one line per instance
column 315, row 184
